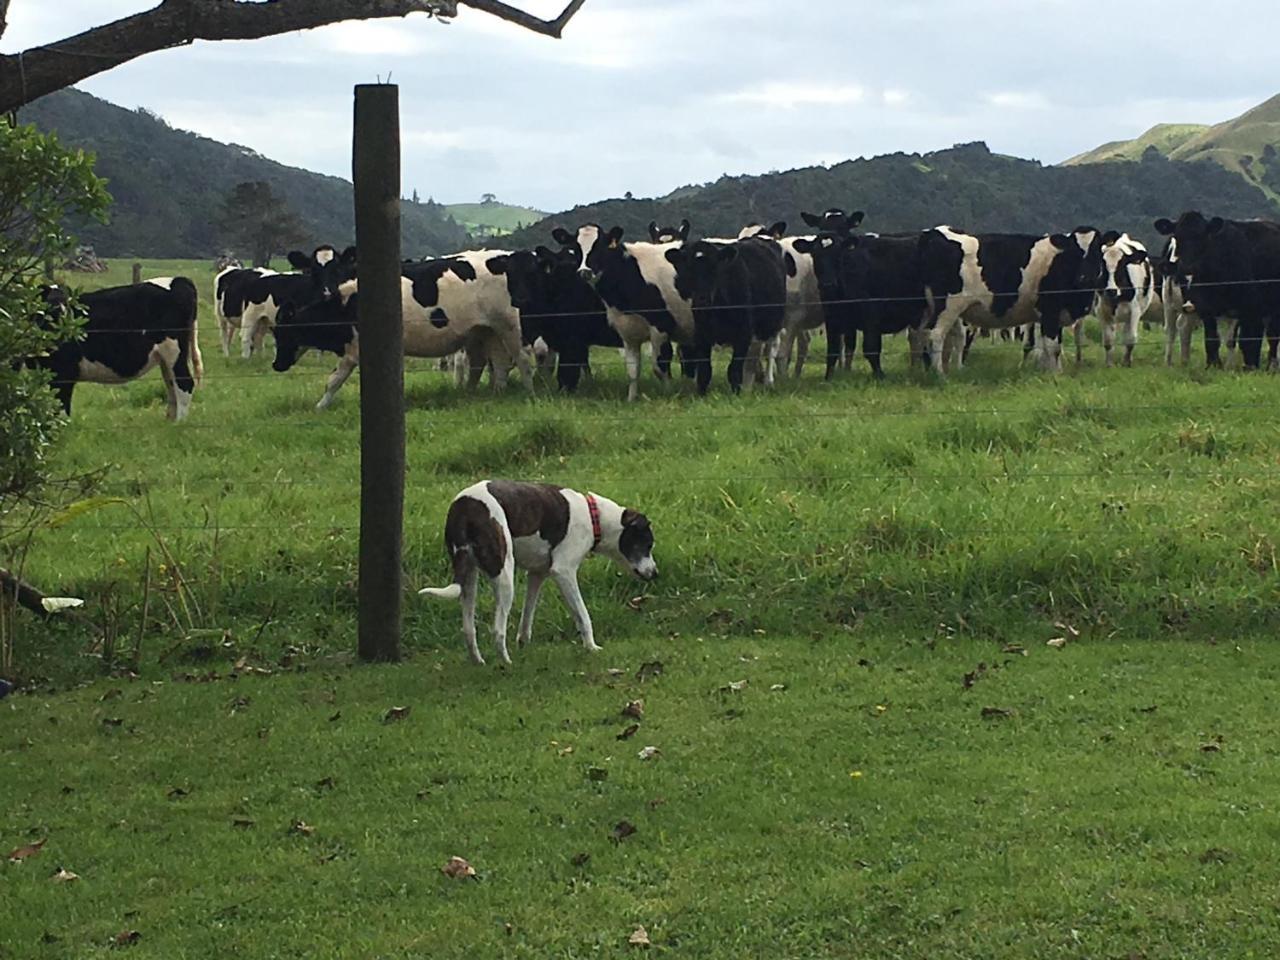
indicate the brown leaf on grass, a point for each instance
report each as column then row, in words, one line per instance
column 1213, row 746
column 458, row 869
column 27, row 851
column 737, row 686
column 301, row 828
column 649, row 670
column 634, row 709
column 244, row 823
column 621, row 830
column 974, row 675
column 639, row 937
column 1067, row 628
column 1057, row 643
column 996, row 713
column 126, row 938
column 394, row 714
column 64, row 876
column 778, row 688
column 1014, row 648
column 648, row 753
column 1217, row 855
column 629, row 732
column 636, row 602
column 580, row 859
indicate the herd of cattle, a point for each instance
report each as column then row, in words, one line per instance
column 760, row 294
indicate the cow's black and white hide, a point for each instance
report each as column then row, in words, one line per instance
column 1231, row 271
column 1000, row 280
column 229, row 289
column 1126, row 289
column 262, row 299
column 834, row 220
column 738, row 291
column 327, row 268
column 668, row 234
column 450, row 304
column 637, row 284
column 127, row 331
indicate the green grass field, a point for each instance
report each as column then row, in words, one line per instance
column 909, row 770
column 493, row 218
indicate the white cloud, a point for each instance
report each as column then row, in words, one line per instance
column 895, row 98
column 377, row 38
column 1018, row 100
column 789, row 94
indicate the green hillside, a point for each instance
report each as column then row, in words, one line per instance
column 169, row 185
column 492, row 218
column 1165, row 137
column 967, row 186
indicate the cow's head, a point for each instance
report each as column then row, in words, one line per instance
column 327, row 268
column 605, row 251
column 775, row 232
column 1092, row 272
column 1193, row 234
column 698, row 267
column 581, row 243
column 827, row 251
column 834, row 220
column 327, row 325
column 1118, row 256
column 526, row 280
column 668, row 234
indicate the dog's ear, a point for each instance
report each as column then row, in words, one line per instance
column 634, row 518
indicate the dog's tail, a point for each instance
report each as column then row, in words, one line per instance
column 463, row 564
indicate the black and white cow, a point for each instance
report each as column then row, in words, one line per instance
column 228, row 300
column 127, row 331
column 1126, row 289
column 558, row 306
column 1231, row 270
column 668, row 234
column 637, row 283
column 327, row 268
column 1001, row 280
column 450, row 304
column 805, row 311
column 738, row 291
column 263, row 298
column 874, row 284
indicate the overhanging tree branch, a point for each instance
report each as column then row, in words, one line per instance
column 32, row 73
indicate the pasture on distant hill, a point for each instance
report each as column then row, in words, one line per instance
column 847, row 650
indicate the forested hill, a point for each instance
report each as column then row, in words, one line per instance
column 169, row 185
column 966, row 186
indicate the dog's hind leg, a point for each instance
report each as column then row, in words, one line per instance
column 469, row 614
column 504, row 589
column 525, row 633
column 567, row 581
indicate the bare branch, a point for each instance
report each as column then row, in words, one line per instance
column 32, row 73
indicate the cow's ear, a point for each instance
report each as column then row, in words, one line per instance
column 855, row 218
column 1164, row 227
column 299, row 260
column 805, row 246
column 348, row 256
column 653, row 231
column 1110, row 237
column 498, row 264
column 562, row 236
column 684, row 230
column 615, row 237
column 811, row 220
column 1216, row 225
column 778, row 230
column 1060, row 240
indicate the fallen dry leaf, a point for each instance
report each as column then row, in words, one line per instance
column 177, row 793
column 64, row 876
column 639, row 937
column 737, row 686
column 1066, row 628
column 996, row 713
column 656, row 802
column 636, row 602
column 302, row 828
column 648, row 753
column 1057, row 643
column 243, row 823
column 777, row 688
column 629, row 732
column 112, row 721
column 458, row 869
column 634, row 709
column 649, row 670
column 621, row 830
column 126, row 938
column 24, row 852
column 394, row 714
column 565, row 751
column 1014, row 648
column 615, row 671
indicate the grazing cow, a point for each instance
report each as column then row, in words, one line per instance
column 262, row 299
column 804, row 311
column 880, row 289
column 561, row 309
column 129, row 330
column 1231, row 270
column 738, row 291
column 1179, row 321
column 668, row 234
column 1000, row 280
column 1126, row 288
column 637, row 283
column 454, row 303
column 229, row 299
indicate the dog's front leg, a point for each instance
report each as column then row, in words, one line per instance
column 567, row 581
column 524, row 634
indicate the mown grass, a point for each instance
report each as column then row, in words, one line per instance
column 929, row 779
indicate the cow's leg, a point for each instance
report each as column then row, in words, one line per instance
column 937, row 335
column 172, row 357
column 1212, row 342
column 1248, row 334
column 769, row 369
column 1172, row 323
column 1130, row 335
column 567, row 581
column 63, row 388
column 660, row 344
column 227, row 330
column 1231, row 336
column 835, row 337
column 1051, row 328
column 631, row 358
column 573, row 362
column 700, row 358
column 515, row 346
column 754, row 351
column 469, row 581
column 525, row 633
column 248, row 336
column 1186, row 327
column 504, row 591
column 346, row 364
column 801, row 341
column 1108, row 340
column 1077, row 330
column 872, row 346
column 955, row 347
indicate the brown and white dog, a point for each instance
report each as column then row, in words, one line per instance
column 496, row 525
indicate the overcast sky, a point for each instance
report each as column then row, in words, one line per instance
column 647, row 95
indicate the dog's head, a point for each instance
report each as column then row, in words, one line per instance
column 635, row 544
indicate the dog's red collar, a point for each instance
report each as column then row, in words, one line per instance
column 593, row 508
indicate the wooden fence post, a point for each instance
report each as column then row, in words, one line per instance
column 376, row 169
column 137, row 273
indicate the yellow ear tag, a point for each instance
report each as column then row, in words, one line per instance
column 613, row 244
